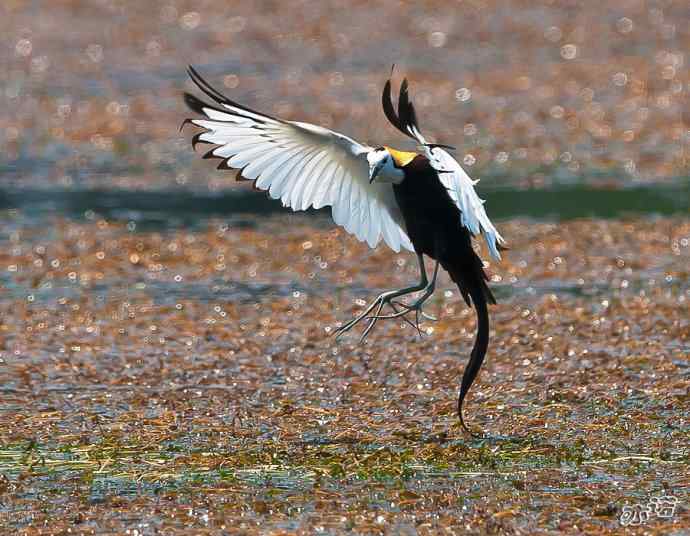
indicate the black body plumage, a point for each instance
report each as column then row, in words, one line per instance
column 433, row 223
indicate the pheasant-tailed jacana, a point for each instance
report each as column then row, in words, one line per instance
column 423, row 202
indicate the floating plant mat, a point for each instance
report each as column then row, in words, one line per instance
column 176, row 377
column 167, row 363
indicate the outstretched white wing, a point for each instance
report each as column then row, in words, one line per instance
column 460, row 187
column 304, row 165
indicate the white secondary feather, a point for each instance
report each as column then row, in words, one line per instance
column 461, row 190
column 306, row 165
column 460, row 187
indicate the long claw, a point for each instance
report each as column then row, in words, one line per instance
column 416, row 324
column 428, row 316
column 372, row 323
column 417, row 306
column 380, row 301
column 388, row 298
column 391, row 316
column 398, row 314
column 407, row 320
column 352, row 323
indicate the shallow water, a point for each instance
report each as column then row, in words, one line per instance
column 169, row 209
column 542, row 94
column 163, row 364
column 167, row 364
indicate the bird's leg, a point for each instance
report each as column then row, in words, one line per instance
column 417, row 305
column 428, row 291
column 377, row 316
column 415, row 324
column 381, row 300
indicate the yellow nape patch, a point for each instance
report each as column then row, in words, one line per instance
column 401, row 158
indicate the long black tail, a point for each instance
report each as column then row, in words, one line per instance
column 481, row 345
column 471, row 281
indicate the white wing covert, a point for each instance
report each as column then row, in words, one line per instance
column 459, row 185
column 302, row 164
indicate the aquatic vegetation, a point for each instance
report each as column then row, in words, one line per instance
column 147, row 370
column 146, row 384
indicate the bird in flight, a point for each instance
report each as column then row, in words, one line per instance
column 422, row 202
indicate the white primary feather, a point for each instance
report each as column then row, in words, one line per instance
column 304, row 165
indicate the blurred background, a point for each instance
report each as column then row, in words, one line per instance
column 533, row 94
column 165, row 351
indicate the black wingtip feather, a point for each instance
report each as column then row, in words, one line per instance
column 403, row 104
column 209, row 154
column 195, row 104
column 388, row 108
column 196, row 140
column 219, row 98
column 405, row 119
column 207, row 88
column 406, row 111
column 184, row 123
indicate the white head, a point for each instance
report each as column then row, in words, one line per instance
column 382, row 167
